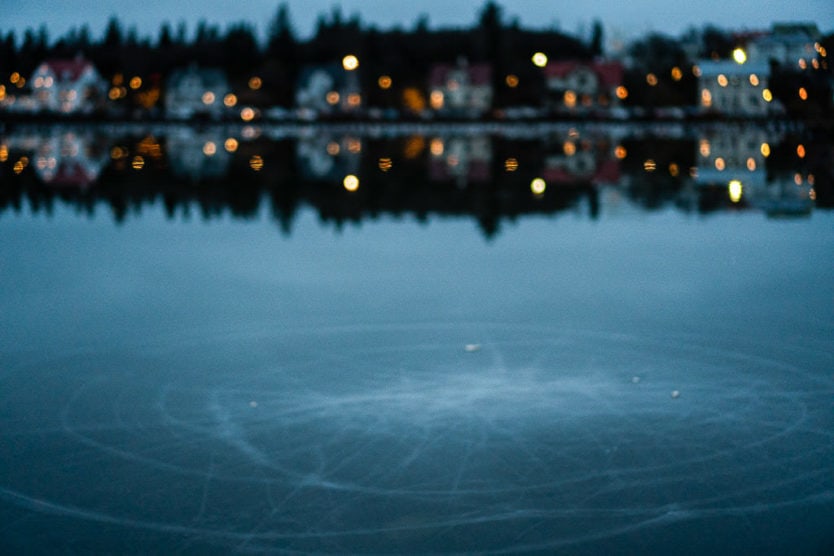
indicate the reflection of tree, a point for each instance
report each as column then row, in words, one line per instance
column 394, row 173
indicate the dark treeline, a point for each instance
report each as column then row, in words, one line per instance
column 405, row 55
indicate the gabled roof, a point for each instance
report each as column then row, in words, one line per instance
column 477, row 74
column 68, row 69
column 609, row 74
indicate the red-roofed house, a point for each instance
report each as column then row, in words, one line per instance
column 69, row 86
column 461, row 89
column 580, row 86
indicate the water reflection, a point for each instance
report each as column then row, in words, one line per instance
column 491, row 173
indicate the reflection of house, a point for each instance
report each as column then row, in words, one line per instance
column 580, row 161
column 729, row 88
column 463, row 159
column 68, row 86
column 461, row 89
column 68, row 160
column 584, row 85
column 196, row 91
column 328, row 158
column 328, row 89
column 197, row 155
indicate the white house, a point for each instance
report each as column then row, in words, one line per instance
column 67, row 86
column 195, row 91
column 328, row 89
column 729, row 88
column 462, row 88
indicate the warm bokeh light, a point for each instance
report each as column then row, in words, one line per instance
column 674, row 170
column 735, row 189
column 767, row 95
column 703, row 147
column 231, row 144
column 117, row 153
column 751, row 164
column 511, row 80
column 539, row 59
column 651, row 79
column 208, row 97
column 722, row 80
column 436, row 100
column 247, row 114
column 765, row 150
column 538, row 186
column 384, row 82
column 797, row 178
column 333, row 148
column 332, row 97
column 14, row 78
column 255, row 82
column 649, row 165
column 696, row 71
column 800, row 151
column 137, row 163
column 570, row 99
column 350, row 62
column 803, row 93
column 113, row 93
column 511, row 165
column 677, row 74
column 569, row 148
column 135, row 82
column 354, row 100
column 209, row 148
column 354, row 145
column 4, row 153
column 256, row 163
column 621, row 92
column 385, row 164
column 754, row 79
column 720, row 164
column 230, row 100
column 620, row 152
column 351, row 182
column 2, row 92
column 436, row 146
column 802, row 64
column 739, row 55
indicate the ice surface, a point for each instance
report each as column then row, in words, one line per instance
column 379, row 440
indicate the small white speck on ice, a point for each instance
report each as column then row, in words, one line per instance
column 472, row 347
column 635, row 379
column 253, row 403
column 676, row 394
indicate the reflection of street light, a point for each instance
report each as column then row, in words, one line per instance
column 735, row 189
column 537, row 186
column 539, row 59
column 350, row 62
column 351, row 183
column 739, row 55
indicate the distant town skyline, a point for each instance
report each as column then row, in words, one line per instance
column 620, row 19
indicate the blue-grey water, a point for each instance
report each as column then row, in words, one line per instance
column 657, row 383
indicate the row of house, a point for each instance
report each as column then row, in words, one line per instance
column 732, row 87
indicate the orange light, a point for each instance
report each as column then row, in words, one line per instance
column 674, row 170
column 230, row 100
column 649, row 165
column 255, row 82
column 751, row 164
column 231, row 144
column 208, row 97
column 511, row 81
column 354, row 99
column 651, row 79
column 135, row 82
column 332, row 97
column 209, row 148
column 677, row 74
column 256, row 163
column 620, row 152
column 754, row 79
column 800, row 151
column 570, row 99
column 720, row 164
column 621, row 92
column 385, row 164
column 384, row 82
column 511, row 165
column 247, row 114
column 333, row 148
column 803, row 93
column 436, row 146
column 722, row 80
column 569, row 148
column 767, row 95
column 436, row 100
column 765, row 150
column 137, row 163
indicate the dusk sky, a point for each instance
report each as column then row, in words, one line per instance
column 621, row 19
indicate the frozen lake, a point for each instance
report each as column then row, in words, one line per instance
column 650, row 383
